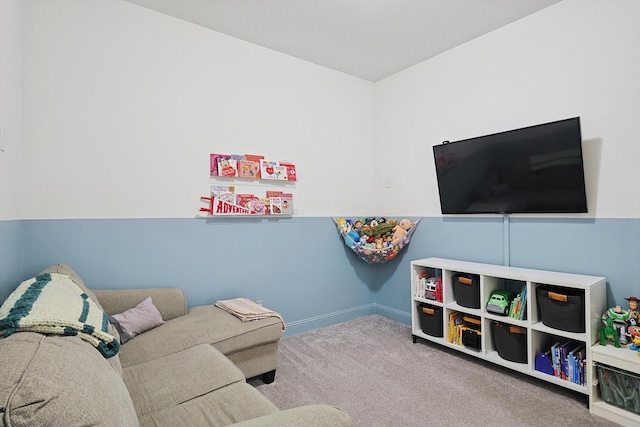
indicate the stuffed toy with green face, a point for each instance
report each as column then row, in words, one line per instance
column 379, row 230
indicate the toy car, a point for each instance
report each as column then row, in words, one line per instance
column 499, row 302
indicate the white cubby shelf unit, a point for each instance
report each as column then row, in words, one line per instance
column 539, row 337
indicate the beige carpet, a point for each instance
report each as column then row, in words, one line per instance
column 371, row 368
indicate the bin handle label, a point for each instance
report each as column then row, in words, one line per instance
column 517, row 330
column 427, row 310
column 557, row 297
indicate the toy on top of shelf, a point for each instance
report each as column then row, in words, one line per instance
column 634, row 335
column 633, row 310
column 631, row 321
column 614, row 320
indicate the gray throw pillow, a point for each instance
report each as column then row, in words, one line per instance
column 136, row 320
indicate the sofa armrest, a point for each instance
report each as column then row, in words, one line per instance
column 170, row 302
column 304, row 416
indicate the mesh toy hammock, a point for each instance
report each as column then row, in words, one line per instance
column 372, row 255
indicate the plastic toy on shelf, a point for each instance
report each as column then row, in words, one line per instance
column 614, row 321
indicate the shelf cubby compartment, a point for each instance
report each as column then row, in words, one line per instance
column 542, row 342
column 419, row 288
column 464, row 331
column 613, row 359
column 535, row 336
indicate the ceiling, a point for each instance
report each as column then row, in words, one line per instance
column 369, row 39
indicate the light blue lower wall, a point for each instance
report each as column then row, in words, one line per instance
column 300, row 266
column 601, row 247
column 297, row 266
column 10, row 256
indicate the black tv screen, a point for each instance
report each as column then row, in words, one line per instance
column 536, row 169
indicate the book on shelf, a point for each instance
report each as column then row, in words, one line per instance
column 287, row 203
column 273, row 170
column 568, row 360
column 281, row 203
column 227, row 167
column 456, row 324
column 518, row 307
column 246, row 200
column 419, row 285
column 290, row 170
column 213, row 162
column 226, row 193
column 249, row 166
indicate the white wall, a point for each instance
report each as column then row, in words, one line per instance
column 11, row 170
column 123, row 106
column 575, row 58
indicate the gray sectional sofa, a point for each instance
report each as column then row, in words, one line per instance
column 189, row 371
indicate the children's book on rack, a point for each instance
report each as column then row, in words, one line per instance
column 250, row 166
column 225, row 193
column 281, row 202
column 224, row 201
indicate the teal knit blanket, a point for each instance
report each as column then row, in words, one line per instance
column 54, row 304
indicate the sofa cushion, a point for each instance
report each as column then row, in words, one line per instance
column 178, row 378
column 234, row 403
column 202, row 325
column 60, row 380
column 137, row 320
column 307, row 416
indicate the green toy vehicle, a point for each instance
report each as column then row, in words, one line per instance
column 499, row 302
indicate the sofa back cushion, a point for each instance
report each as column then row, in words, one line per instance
column 170, row 302
column 60, row 380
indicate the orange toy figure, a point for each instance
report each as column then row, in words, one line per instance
column 634, row 332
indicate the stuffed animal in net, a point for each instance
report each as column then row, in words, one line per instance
column 401, row 230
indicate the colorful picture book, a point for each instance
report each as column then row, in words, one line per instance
column 518, row 308
column 224, row 201
column 225, row 193
column 250, row 166
column 281, row 203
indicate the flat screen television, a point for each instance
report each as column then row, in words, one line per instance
column 536, row 169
